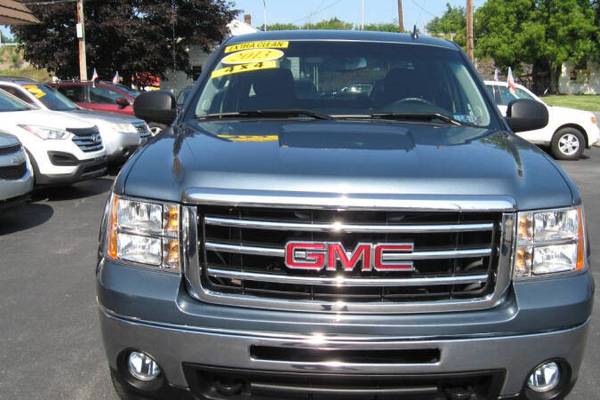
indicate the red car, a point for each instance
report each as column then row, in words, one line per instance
column 102, row 96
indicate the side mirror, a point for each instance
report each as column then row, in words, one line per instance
column 159, row 106
column 122, row 102
column 526, row 115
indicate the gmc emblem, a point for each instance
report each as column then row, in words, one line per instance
column 316, row 256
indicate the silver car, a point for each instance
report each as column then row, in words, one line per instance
column 121, row 134
column 16, row 179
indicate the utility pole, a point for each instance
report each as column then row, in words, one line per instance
column 470, row 39
column 81, row 40
column 362, row 15
column 400, row 17
column 265, row 15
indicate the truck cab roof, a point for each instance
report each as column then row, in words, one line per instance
column 345, row 35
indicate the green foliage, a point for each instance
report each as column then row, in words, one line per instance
column 36, row 74
column 283, row 27
column 333, row 23
column 452, row 25
column 134, row 37
column 582, row 102
column 544, row 33
column 382, row 27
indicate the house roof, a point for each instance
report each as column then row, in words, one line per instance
column 14, row 13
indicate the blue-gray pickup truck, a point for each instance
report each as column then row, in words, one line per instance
column 342, row 215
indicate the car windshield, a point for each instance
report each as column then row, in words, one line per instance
column 128, row 90
column 344, row 80
column 50, row 97
column 10, row 103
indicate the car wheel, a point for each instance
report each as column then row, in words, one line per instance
column 568, row 144
column 156, row 129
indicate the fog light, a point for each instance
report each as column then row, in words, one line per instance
column 545, row 378
column 142, row 366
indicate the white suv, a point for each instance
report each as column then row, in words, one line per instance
column 62, row 149
column 568, row 132
column 121, row 134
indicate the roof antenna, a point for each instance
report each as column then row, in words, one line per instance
column 415, row 33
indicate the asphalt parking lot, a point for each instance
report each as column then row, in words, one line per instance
column 51, row 347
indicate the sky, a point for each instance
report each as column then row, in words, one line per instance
column 417, row 12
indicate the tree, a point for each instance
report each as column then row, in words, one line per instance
column 544, row 33
column 283, row 27
column 390, row 27
column 452, row 25
column 135, row 37
column 333, row 23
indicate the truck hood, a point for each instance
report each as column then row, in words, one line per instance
column 346, row 157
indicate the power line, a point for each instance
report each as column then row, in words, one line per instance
column 312, row 14
column 423, row 8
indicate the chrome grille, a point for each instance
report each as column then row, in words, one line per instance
column 456, row 257
column 87, row 139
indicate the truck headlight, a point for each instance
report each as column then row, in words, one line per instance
column 46, row 133
column 549, row 242
column 143, row 232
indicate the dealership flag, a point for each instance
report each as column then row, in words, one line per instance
column 512, row 86
column 116, row 78
column 94, row 77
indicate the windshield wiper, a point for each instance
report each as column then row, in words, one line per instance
column 417, row 117
column 283, row 113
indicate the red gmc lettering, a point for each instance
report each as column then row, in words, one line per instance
column 317, row 256
column 338, row 252
column 381, row 265
column 314, row 258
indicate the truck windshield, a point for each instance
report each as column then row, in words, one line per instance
column 345, row 80
column 9, row 103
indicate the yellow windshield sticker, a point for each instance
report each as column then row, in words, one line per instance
column 254, row 55
column 34, row 90
column 266, row 44
column 249, row 138
column 239, row 68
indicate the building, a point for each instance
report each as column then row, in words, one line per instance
column 14, row 13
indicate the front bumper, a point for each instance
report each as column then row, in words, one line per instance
column 16, row 191
column 84, row 170
column 119, row 146
column 152, row 312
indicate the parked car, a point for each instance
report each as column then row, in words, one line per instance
column 102, row 96
column 568, row 132
column 403, row 245
column 16, row 177
column 121, row 134
column 61, row 149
